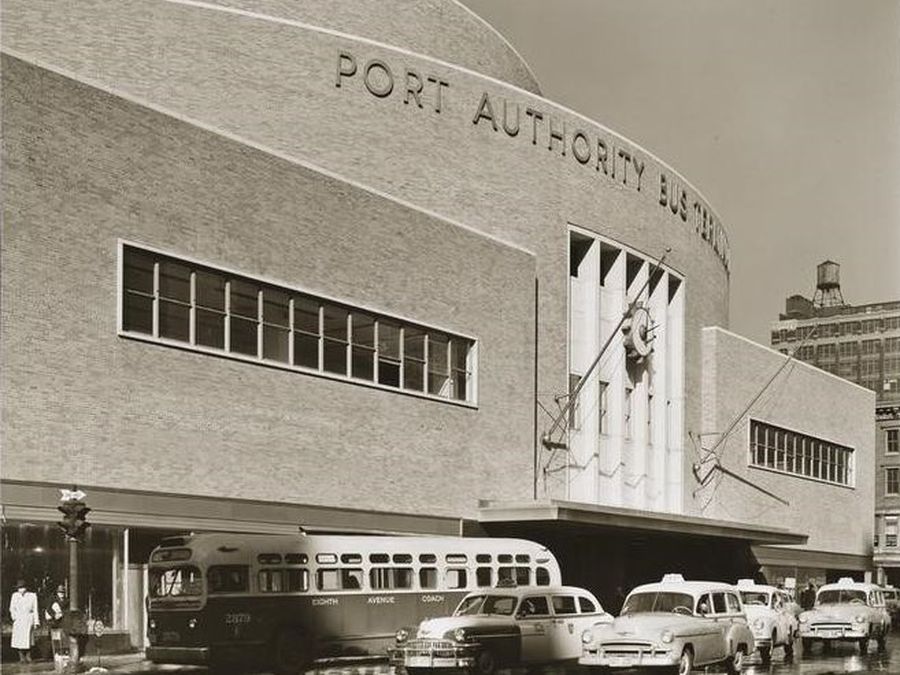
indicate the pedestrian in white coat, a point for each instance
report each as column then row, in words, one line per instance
column 23, row 607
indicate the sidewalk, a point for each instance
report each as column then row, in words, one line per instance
column 111, row 662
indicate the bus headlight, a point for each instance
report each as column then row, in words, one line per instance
column 192, row 623
column 459, row 635
column 587, row 637
column 667, row 636
column 401, row 635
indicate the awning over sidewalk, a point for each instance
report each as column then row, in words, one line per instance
column 561, row 515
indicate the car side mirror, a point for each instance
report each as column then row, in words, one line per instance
column 703, row 608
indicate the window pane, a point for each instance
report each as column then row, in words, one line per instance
column 586, row 606
column 210, row 290
column 306, row 315
column 244, row 299
column 138, row 313
column 363, row 329
column 174, row 321
column 138, row 271
column 243, row 336
column 335, row 322
column 335, row 357
column 438, row 375
column 275, row 307
column 174, row 281
column 414, row 343
column 210, row 329
column 389, row 373
column 297, row 581
column 275, row 343
column 484, row 576
column 459, row 352
column 388, row 339
column 428, row 577
column 306, row 351
column 363, row 363
column 413, row 375
column 460, row 385
column 542, row 576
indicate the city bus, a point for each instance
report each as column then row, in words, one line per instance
column 283, row 601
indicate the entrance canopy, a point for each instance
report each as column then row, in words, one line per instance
column 561, row 516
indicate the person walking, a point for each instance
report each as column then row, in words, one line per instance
column 808, row 596
column 53, row 614
column 23, row 607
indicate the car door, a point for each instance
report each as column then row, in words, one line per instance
column 718, row 646
column 565, row 636
column 534, row 620
column 709, row 633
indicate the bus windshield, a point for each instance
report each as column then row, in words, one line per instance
column 638, row 603
column 841, row 596
column 181, row 581
column 486, row 604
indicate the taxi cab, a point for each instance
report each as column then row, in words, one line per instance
column 846, row 611
column 771, row 617
column 500, row 628
column 675, row 624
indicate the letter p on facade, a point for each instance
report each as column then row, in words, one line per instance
column 346, row 67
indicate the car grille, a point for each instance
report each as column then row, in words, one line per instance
column 437, row 648
column 832, row 626
column 630, row 648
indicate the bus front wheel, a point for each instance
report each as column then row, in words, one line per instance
column 291, row 652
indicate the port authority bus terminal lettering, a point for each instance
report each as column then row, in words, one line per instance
column 614, row 158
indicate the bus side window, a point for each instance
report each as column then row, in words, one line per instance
column 428, row 577
column 456, row 577
column 523, row 576
column 227, row 579
column 339, row 580
column 297, row 580
column 270, row 581
column 484, row 576
column 542, row 576
column 385, row 578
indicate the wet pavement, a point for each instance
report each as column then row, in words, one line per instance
column 840, row 658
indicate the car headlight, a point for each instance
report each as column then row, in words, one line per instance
column 152, row 624
column 587, row 637
column 459, row 635
column 401, row 635
column 759, row 623
column 192, row 623
column 803, row 618
column 859, row 618
column 667, row 636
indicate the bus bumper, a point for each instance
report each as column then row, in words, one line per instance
column 186, row 655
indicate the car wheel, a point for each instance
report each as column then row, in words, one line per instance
column 735, row 662
column 863, row 645
column 485, row 663
column 291, row 653
column 685, row 663
column 807, row 645
column 882, row 641
column 789, row 650
column 765, row 655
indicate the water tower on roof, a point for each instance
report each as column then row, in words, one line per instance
column 828, row 285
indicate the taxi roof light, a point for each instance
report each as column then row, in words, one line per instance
column 846, row 580
column 672, row 578
column 743, row 583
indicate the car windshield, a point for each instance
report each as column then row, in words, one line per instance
column 758, row 598
column 638, row 603
column 486, row 604
column 182, row 581
column 841, row 596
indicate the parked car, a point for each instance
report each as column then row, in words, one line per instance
column 846, row 611
column 891, row 601
column 501, row 628
column 675, row 624
column 770, row 613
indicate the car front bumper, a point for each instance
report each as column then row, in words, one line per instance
column 637, row 659
column 462, row 656
column 855, row 632
column 183, row 655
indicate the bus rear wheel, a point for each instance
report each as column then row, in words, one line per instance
column 291, row 652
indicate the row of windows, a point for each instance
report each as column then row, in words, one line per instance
column 381, row 558
column 827, row 330
column 783, row 450
column 234, row 578
column 202, row 307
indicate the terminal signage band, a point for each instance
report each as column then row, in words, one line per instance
column 619, row 162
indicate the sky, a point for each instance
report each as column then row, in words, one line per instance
column 785, row 114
